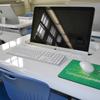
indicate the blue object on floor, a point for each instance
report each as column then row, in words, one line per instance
column 24, row 88
column 3, row 93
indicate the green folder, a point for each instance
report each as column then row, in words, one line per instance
column 73, row 72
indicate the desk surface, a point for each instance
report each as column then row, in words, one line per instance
column 23, row 22
column 9, row 36
column 49, row 73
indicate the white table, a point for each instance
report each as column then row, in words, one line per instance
column 9, row 36
column 23, row 22
column 49, row 73
column 20, row 28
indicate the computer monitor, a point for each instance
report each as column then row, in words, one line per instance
column 96, row 5
column 67, row 27
column 8, row 13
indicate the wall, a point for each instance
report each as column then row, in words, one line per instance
column 49, row 1
column 7, row 1
column 27, row 4
column 19, row 8
column 60, row 1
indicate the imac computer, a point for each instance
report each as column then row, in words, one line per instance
column 59, row 26
column 7, row 14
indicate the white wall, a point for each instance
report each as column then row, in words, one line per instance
column 49, row 1
column 59, row 1
column 5, row 1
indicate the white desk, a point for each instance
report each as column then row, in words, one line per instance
column 20, row 28
column 9, row 36
column 17, row 30
column 23, row 22
column 49, row 73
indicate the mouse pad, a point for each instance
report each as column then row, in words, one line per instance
column 73, row 72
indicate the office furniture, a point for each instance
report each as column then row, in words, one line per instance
column 9, row 36
column 23, row 22
column 49, row 73
column 23, row 88
column 3, row 93
column 28, row 14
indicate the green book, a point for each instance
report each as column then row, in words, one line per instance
column 73, row 72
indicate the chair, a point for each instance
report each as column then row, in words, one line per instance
column 29, row 28
column 3, row 93
column 28, row 14
column 23, row 88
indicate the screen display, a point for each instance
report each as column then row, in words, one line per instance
column 67, row 27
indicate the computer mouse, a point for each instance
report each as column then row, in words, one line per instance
column 86, row 67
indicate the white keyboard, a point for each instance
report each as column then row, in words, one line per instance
column 37, row 54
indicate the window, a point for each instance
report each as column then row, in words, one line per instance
column 53, row 31
column 49, row 40
column 45, row 20
column 40, row 31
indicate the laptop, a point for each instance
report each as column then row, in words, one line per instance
column 7, row 12
column 58, row 27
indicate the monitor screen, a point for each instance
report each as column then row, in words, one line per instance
column 67, row 27
column 8, row 13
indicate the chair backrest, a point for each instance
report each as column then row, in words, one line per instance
column 24, row 88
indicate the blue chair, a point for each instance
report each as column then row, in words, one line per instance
column 3, row 93
column 24, row 88
column 28, row 14
column 29, row 28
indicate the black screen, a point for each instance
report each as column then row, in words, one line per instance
column 68, row 27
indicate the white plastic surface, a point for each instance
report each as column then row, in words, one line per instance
column 49, row 73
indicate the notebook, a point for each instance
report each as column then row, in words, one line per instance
column 60, row 27
column 7, row 14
